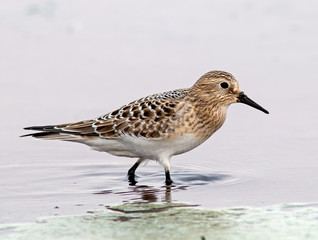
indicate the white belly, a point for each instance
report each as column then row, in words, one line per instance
column 154, row 149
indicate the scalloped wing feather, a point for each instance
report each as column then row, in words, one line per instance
column 150, row 117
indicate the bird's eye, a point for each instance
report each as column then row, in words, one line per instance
column 224, row 85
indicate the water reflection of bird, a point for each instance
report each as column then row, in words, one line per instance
column 158, row 126
column 147, row 193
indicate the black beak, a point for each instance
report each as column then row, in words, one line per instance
column 244, row 99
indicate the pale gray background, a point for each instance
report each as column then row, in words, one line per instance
column 64, row 61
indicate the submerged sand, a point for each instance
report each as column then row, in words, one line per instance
column 175, row 221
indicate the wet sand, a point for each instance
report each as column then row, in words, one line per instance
column 176, row 221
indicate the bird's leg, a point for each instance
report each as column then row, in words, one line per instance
column 131, row 172
column 166, row 164
column 168, row 179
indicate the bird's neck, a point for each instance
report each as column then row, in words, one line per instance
column 210, row 117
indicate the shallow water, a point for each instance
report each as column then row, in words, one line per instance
column 63, row 64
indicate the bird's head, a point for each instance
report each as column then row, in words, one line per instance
column 221, row 88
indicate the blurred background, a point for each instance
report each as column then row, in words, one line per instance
column 65, row 61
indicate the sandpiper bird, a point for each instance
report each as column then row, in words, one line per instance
column 158, row 126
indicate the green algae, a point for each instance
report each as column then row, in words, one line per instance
column 174, row 221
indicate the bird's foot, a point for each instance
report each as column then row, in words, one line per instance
column 168, row 179
column 131, row 179
column 169, row 182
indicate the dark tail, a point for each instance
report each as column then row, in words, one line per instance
column 47, row 132
column 41, row 128
column 54, row 132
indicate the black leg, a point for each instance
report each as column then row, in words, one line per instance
column 168, row 179
column 131, row 173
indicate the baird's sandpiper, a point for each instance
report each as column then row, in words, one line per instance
column 158, row 126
